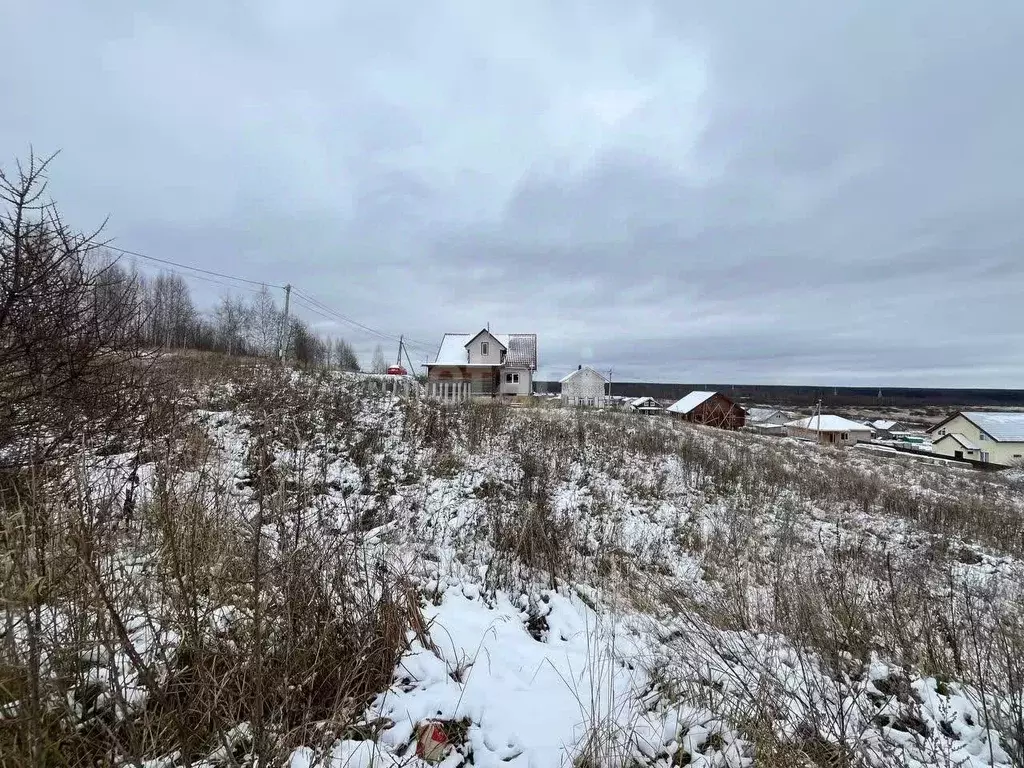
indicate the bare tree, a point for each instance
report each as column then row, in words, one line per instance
column 379, row 364
column 173, row 319
column 305, row 347
column 230, row 316
column 264, row 324
column 64, row 335
column 344, row 356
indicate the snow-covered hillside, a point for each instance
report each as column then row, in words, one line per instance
column 300, row 569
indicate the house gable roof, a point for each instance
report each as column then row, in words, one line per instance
column 521, row 349
column 644, row 402
column 691, row 401
column 578, row 371
column 1001, row 426
column 957, row 437
column 884, row 424
column 762, row 414
column 483, row 331
column 829, row 423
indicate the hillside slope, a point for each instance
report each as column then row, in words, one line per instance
column 292, row 567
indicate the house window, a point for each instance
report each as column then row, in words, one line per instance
column 846, row 435
column 484, row 347
column 511, row 378
column 981, row 436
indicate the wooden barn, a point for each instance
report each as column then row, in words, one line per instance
column 711, row 408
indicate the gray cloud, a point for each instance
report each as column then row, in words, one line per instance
column 792, row 192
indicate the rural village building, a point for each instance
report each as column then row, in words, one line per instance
column 767, row 417
column 829, row 430
column 584, row 386
column 768, row 421
column 645, row 405
column 884, row 428
column 484, row 364
column 986, row 436
column 711, row 408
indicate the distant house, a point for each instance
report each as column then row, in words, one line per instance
column 645, row 405
column 992, row 437
column 584, row 386
column 768, row 421
column 711, row 408
column 829, row 430
column 767, row 417
column 884, row 428
column 483, row 364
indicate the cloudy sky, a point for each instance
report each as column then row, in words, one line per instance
column 785, row 192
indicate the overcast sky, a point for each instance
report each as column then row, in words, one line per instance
column 787, row 192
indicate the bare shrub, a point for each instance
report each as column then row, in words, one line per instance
column 69, row 320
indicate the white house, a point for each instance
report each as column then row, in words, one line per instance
column 829, row 430
column 483, row 364
column 993, row 437
column 763, row 417
column 768, row 421
column 584, row 386
column 645, row 405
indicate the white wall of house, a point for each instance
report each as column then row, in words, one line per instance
column 826, row 437
column 584, row 387
column 485, row 349
column 1005, row 453
column 516, row 381
column 947, row 446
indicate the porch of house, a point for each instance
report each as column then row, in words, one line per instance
column 453, row 386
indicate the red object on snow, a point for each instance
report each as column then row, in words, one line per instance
column 396, row 370
column 432, row 744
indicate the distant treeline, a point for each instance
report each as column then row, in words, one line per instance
column 806, row 397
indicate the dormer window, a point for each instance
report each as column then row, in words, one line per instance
column 484, row 346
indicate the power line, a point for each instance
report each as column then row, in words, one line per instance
column 327, row 313
column 191, row 276
column 338, row 316
column 186, row 266
column 318, row 307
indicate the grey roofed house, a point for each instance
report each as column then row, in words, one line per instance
column 767, row 416
column 884, row 425
column 997, row 436
column 483, row 364
column 520, row 349
column 1003, row 426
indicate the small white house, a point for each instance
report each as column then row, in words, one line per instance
column 584, row 386
column 645, row 405
column 829, row 430
column 765, row 417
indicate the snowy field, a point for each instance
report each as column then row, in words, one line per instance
column 552, row 587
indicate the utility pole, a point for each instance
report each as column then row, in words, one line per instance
column 398, row 361
column 610, row 382
column 283, row 350
column 412, row 368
